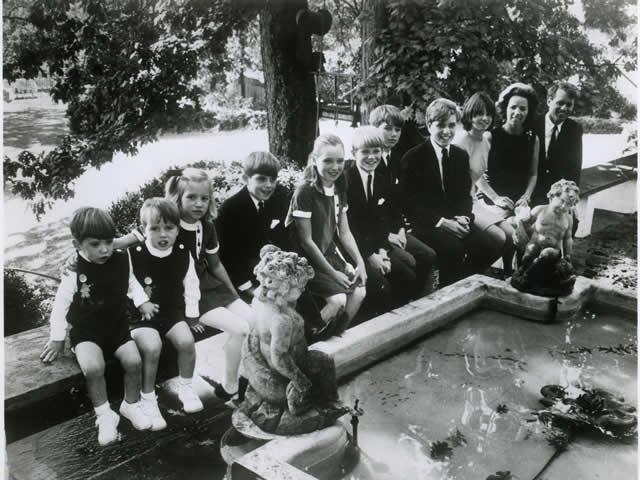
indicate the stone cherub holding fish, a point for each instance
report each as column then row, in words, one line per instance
column 292, row 389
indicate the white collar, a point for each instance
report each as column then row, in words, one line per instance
column 438, row 148
column 191, row 227
column 364, row 174
column 156, row 252
column 329, row 191
column 81, row 253
column 255, row 201
column 549, row 124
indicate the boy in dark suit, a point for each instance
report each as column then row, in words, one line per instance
column 399, row 137
column 378, row 228
column 435, row 183
column 252, row 218
column 560, row 141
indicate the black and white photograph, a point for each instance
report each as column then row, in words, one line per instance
column 320, row 239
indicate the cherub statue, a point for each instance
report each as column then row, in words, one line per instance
column 544, row 242
column 292, row 390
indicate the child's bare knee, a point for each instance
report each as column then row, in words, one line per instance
column 337, row 301
column 359, row 293
column 92, row 368
column 184, row 344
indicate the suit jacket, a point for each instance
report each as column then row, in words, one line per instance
column 371, row 222
column 410, row 136
column 565, row 161
column 243, row 232
column 423, row 198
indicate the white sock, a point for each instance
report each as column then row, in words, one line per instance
column 185, row 381
column 148, row 396
column 102, row 409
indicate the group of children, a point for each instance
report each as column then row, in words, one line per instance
column 346, row 218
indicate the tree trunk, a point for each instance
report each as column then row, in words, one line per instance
column 374, row 19
column 289, row 85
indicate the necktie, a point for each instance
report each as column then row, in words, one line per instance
column 260, row 207
column 369, row 189
column 553, row 139
column 445, row 163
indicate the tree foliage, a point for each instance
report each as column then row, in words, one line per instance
column 451, row 48
column 127, row 70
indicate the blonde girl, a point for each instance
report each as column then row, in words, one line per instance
column 318, row 213
column 220, row 305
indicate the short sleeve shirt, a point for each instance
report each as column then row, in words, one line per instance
column 323, row 208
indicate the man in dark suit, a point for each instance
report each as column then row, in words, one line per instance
column 560, row 141
column 436, row 187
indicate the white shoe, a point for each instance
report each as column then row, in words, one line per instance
column 191, row 403
column 107, row 427
column 134, row 413
column 151, row 410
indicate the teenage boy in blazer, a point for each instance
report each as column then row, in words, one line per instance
column 435, row 183
column 376, row 226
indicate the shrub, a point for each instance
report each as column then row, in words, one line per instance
column 600, row 125
column 230, row 111
column 227, row 179
column 25, row 306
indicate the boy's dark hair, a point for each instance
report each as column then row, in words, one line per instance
column 261, row 163
column 569, row 88
column 388, row 114
column 520, row 90
column 439, row 110
column 477, row 104
column 158, row 208
column 89, row 222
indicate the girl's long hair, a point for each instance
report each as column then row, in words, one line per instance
column 311, row 175
column 177, row 184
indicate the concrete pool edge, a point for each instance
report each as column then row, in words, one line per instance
column 377, row 338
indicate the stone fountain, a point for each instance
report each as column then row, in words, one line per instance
column 292, row 395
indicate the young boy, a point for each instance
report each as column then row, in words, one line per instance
column 92, row 298
column 551, row 225
column 168, row 274
column 252, row 218
column 436, row 185
column 374, row 221
column 390, row 121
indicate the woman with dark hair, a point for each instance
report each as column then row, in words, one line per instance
column 512, row 165
column 478, row 116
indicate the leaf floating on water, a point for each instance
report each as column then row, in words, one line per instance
column 457, row 438
column 441, row 451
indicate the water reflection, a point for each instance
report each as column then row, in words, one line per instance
column 482, row 379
